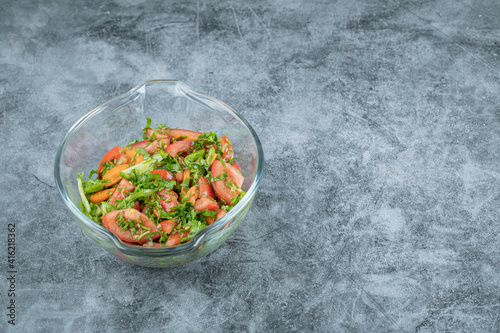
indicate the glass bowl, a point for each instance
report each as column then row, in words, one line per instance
column 121, row 120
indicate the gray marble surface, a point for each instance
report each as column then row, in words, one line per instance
column 379, row 210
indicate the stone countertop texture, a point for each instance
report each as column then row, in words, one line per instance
column 379, row 209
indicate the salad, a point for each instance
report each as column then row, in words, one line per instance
column 164, row 189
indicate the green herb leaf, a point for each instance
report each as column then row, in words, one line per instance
column 222, row 176
column 143, row 167
column 82, row 192
column 93, row 172
column 106, row 207
column 107, row 166
column 129, row 144
column 205, row 139
column 142, row 151
column 237, row 199
column 94, row 188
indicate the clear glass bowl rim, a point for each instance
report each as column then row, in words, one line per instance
column 206, row 233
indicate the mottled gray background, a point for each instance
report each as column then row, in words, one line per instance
column 380, row 126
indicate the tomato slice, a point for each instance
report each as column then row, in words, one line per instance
column 176, row 238
column 237, row 166
column 176, row 133
column 173, row 133
column 131, row 214
column 163, row 174
column 179, row 177
column 233, row 173
column 158, row 135
column 150, row 147
column 227, row 148
column 112, row 154
column 224, row 192
column 205, row 189
column 168, row 200
column 123, row 188
column 205, row 203
column 183, row 146
column 168, row 225
column 220, row 213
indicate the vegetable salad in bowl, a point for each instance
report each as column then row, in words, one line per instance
column 162, row 190
column 156, row 195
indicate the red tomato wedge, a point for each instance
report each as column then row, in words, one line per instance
column 205, row 203
column 233, row 173
column 176, row 133
column 179, row 177
column 220, row 213
column 168, row 200
column 183, row 146
column 150, row 147
column 164, row 174
column 168, row 225
column 124, row 187
column 176, row 238
column 227, row 148
column 112, row 154
column 109, row 220
column 165, row 191
column 173, row 133
column 237, row 166
column 224, row 192
column 158, row 135
column 205, row 189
